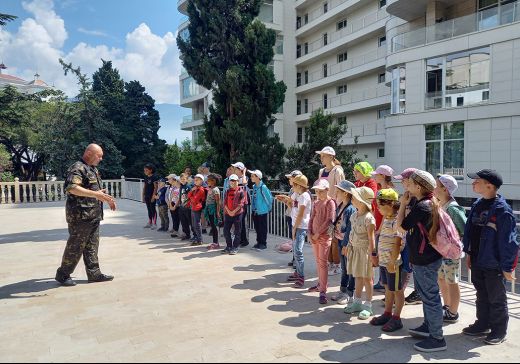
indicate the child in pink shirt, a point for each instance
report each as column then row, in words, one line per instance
column 322, row 217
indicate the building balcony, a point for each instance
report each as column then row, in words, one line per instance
column 182, row 6
column 191, row 121
column 300, row 4
column 365, row 133
column 355, row 30
column 191, row 92
column 349, row 102
column 476, row 22
column 352, row 67
column 318, row 16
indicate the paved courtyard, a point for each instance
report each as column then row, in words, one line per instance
column 172, row 302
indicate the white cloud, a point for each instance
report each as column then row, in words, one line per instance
column 97, row 33
column 37, row 45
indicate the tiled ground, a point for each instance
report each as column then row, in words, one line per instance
column 171, row 302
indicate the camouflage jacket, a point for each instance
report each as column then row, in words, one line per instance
column 83, row 208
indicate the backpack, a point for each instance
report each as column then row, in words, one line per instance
column 448, row 242
column 265, row 198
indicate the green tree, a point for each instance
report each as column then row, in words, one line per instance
column 4, row 18
column 177, row 158
column 322, row 131
column 94, row 127
column 132, row 112
column 228, row 51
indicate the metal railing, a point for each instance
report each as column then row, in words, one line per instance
column 353, row 26
column 347, row 98
column 320, row 10
column 349, row 64
column 483, row 20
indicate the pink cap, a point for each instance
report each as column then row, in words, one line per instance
column 449, row 182
column 321, row 184
column 407, row 173
column 384, row 170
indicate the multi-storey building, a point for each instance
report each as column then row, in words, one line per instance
column 421, row 83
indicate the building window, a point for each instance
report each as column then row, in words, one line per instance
column 298, row 51
column 325, row 7
column 492, row 13
column 458, row 79
column 298, row 22
column 306, row 77
column 341, row 24
column 266, row 11
column 306, row 106
column 325, row 73
column 382, row 3
column 342, row 89
column 298, row 107
column 278, row 46
column 342, row 57
column 306, row 48
column 325, row 39
column 189, row 88
column 380, row 152
column 299, row 136
column 306, row 134
column 382, row 41
column 445, row 149
column 306, row 19
column 381, row 113
column 381, row 78
column 341, row 120
column 298, row 79
column 398, row 90
column 325, row 101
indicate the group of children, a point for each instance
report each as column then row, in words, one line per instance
column 369, row 233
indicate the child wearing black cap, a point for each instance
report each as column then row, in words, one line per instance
column 490, row 242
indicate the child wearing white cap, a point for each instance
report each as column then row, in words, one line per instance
column 261, row 205
column 449, row 271
column 322, row 217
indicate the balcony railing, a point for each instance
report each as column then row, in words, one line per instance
column 366, row 130
column 348, row 98
column 353, row 26
column 319, row 11
column 475, row 22
column 350, row 63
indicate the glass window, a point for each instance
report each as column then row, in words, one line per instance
column 278, row 46
column 382, row 3
column 342, row 89
column 189, row 88
column 298, row 107
column 325, row 73
column 299, row 136
column 306, row 47
column 342, row 57
column 298, row 22
column 381, row 78
column 380, row 152
column 306, row 105
column 325, row 101
column 298, row 79
column 382, row 41
column 325, row 39
column 266, row 11
column 306, row 134
column 341, row 120
column 445, row 149
column 341, row 24
column 398, row 90
column 325, row 7
column 298, row 51
column 306, row 19
column 306, row 77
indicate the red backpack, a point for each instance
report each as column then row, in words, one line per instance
column 448, row 242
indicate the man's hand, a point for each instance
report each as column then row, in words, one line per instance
column 509, row 276
column 104, row 197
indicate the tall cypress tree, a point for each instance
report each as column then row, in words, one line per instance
column 228, row 51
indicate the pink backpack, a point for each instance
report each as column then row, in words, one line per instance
column 448, row 242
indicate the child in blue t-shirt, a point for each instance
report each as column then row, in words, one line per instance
column 162, row 205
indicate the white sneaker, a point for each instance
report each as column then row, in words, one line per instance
column 334, row 269
column 147, row 226
column 153, row 227
column 338, row 296
column 345, row 300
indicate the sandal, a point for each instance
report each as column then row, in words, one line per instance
column 293, row 277
column 314, row 288
column 380, row 320
column 299, row 283
column 323, row 299
column 393, row 325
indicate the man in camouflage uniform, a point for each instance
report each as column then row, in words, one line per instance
column 84, row 210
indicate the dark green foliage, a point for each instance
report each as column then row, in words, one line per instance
column 228, row 51
column 4, row 18
column 322, row 131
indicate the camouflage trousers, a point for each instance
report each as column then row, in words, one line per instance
column 83, row 241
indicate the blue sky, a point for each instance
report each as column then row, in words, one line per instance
column 138, row 36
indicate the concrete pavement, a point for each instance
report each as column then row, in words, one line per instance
column 172, row 302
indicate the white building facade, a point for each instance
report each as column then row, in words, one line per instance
column 421, row 83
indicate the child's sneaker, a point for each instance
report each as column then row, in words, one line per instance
column 422, row 331
column 476, row 329
column 413, row 299
column 366, row 313
column 393, row 325
column 293, row 277
column 147, row 226
column 300, row 283
column 450, row 317
column 214, row 246
column 225, row 251
column 323, row 299
column 153, row 227
column 314, row 288
column 495, row 339
column 233, row 251
column 431, row 345
column 338, row 296
column 196, row 243
column 353, row 308
column 345, row 300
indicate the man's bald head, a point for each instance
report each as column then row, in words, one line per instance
column 93, row 155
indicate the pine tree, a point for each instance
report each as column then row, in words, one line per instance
column 228, row 51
